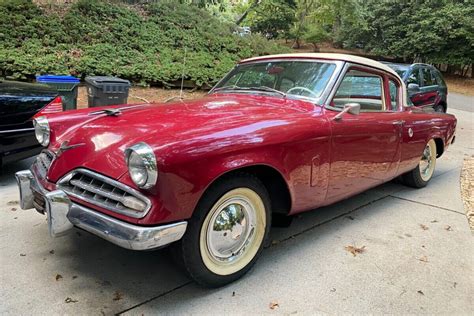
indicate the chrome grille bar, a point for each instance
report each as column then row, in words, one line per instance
column 107, row 193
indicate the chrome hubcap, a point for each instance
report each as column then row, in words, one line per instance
column 426, row 163
column 231, row 229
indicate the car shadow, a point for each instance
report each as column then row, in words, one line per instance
column 7, row 172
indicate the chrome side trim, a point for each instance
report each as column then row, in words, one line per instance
column 17, row 130
column 65, row 182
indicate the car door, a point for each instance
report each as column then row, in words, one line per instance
column 414, row 86
column 364, row 147
column 429, row 88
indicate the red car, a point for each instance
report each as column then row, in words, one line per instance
column 278, row 134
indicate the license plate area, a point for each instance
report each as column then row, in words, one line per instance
column 38, row 201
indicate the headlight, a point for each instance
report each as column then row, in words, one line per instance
column 42, row 131
column 142, row 166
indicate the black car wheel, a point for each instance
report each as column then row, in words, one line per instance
column 439, row 108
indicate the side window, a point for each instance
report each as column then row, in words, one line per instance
column 414, row 77
column 393, row 90
column 360, row 87
column 439, row 79
column 428, row 79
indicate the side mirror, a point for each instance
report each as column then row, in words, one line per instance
column 352, row 108
column 413, row 87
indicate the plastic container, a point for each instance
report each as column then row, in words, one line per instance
column 104, row 90
column 66, row 87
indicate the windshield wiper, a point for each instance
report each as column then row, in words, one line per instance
column 261, row 88
column 265, row 88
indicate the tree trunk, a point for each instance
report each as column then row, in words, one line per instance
column 251, row 7
column 296, row 44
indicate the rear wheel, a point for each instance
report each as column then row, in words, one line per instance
column 422, row 174
column 227, row 231
column 439, row 108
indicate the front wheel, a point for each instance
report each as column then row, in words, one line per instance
column 422, row 174
column 227, row 231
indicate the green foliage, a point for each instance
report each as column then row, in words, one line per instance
column 105, row 38
column 433, row 31
column 272, row 17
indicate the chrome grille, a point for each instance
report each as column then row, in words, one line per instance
column 43, row 162
column 102, row 191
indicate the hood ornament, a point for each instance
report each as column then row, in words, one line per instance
column 65, row 146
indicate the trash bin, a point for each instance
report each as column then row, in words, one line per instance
column 104, row 90
column 66, row 87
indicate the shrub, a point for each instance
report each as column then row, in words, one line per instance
column 146, row 46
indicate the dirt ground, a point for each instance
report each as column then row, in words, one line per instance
column 140, row 95
column 467, row 188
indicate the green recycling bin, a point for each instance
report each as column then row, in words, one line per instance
column 66, row 87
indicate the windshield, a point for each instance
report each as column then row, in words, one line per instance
column 306, row 79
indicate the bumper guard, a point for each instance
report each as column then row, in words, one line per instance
column 63, row 215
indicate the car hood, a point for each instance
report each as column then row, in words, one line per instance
column 176, row 131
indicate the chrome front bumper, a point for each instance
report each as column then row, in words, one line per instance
column 63, row 214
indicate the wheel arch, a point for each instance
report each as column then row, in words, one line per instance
column 439, row 146
column 273, row 180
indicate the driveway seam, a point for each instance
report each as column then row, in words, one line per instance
column 328, row 221
column 426, row 204
column 154, row 298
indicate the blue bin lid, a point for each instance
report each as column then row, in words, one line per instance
column 57, row 79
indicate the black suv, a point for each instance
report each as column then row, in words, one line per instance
column 426, row 86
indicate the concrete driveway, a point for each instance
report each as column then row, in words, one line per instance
column 418, row 257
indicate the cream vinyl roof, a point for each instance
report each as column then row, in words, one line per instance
column 344, row 57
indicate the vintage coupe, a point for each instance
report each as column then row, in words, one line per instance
column 278, row 134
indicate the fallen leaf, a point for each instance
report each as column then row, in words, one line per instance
column 233, row 293
column 13, row 209
column 423, row 259
column 350, row 217
column 13, row 203
column 58, row 277
column 74, row 277
column 448, row 228
column 434, row 221
column 70, row 300
column 117, row 296
column 354, row 250
column 15, row 217
column 455, row 284
column 51, row 252
column 424, row 227
column 408, row 235
column 420, row 292
column 22, row 254
column 274, row 305
column 333, row 290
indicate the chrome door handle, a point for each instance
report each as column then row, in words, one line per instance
column 400, row 122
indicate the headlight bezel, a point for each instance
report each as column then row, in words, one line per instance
column 148, row 159
column 41, row 126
